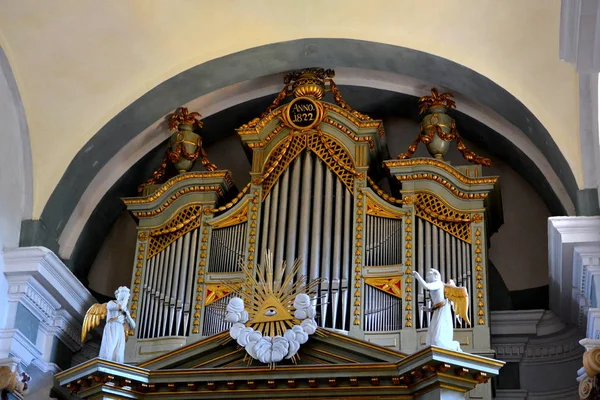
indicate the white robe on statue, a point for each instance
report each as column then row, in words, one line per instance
column 113, row 338
column 441, row 331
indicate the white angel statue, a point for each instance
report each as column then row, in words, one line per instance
column 118, row 325
column 443, row 296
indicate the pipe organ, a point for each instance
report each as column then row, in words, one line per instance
column 313, row 194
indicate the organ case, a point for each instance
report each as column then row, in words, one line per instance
column 312, row 194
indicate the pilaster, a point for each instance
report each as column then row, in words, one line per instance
column 565, row 234
column 45, row 309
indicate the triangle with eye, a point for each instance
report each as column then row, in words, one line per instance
column 271, row 310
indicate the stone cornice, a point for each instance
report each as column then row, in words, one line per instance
column 515, row 323
column 564, row 234
column 43, row 269
column 533, row 336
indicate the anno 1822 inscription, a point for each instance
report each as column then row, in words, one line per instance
column 303, row 113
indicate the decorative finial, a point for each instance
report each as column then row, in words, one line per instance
column 443, row 100
column 438, row 129
column 309, row 82
column 183, row 117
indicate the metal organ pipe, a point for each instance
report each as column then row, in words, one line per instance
column 326, row 243
column 315, row 248
column 305, row 211
column 454, row 262
column 187, row 296
column 178, row 293
column 337, row 251
column 273, row 216
column 281, row 223
column 347, row 256
column 292, row 229
column 266, row 207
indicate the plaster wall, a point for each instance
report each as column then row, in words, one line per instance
column 114, row 262
column 124, row 49
column 15, row 171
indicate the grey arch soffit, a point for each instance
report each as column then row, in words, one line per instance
column 276, row 58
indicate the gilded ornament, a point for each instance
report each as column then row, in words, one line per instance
column 443, row 182
column 437, row 129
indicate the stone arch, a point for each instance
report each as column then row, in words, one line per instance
column 240, row 68
column 16, row 174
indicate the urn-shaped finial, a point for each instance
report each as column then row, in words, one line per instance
column 436, row 125
column 437, row 129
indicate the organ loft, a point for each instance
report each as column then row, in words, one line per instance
column 329, row 213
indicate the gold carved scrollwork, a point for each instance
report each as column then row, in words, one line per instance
column 587, row 388
column 327, row 148
column 186, row 220
column 241, row 215
column 391, row 284
column 433, row 209
column 380, row 210
column 386, row 196
column 216, row 292
column 591, row 361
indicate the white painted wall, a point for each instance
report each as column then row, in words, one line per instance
column 16, row 198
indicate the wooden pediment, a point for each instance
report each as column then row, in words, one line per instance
column 323, row 348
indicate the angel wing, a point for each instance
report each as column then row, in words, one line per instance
column 92, row 319
column 460, row 297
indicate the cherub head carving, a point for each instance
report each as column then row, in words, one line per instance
column 433, row 276
column 122, row 295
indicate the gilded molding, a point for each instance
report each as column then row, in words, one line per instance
column 444, row 166
column 256, row 125
column 443, row 182
column 408, row 239
column 479, row 277
column 181, row 177
column 269, row 137
column 239, row 216
column 190, row 189
column 139, row 265
column 358, row 254
column 349, row 133
column 200, row 280
column 253, row 217
column 369, row 123
column 384, row 195
column 227, row 206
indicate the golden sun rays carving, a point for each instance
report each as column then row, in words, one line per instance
column 270, row 300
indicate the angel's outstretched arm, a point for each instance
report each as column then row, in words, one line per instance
column 428, row 286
